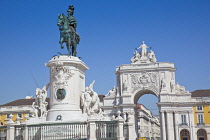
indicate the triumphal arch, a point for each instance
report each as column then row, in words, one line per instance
column 147, row 76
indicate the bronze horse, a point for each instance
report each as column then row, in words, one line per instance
column 67, row 35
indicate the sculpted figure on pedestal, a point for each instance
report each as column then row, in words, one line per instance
column 40, row 105
column 143, row 49
column 86, row 101
column 152, row 56
column 180, row 89
column 35, row 108
column 136, row 57
column 89, row 101
column 143, row 56
column 112, row 92
column 68, row 35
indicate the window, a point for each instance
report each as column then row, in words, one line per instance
column 199, row 108
column 20, row 115
column 183, row 117
column 200, row 132
column 8, row 116
column 200, row 118
column 30, row 114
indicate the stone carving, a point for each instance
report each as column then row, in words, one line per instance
column 35, row 108
column 152, row 56
column 172, row 86
column 86, row 101
column 112, row 92
column 61, row 74
column 68, row 35
column 118, row 115
column 40, row 104
column 125, row 86
column 90, row 102
column 180, row 89
column 143, row 80
column 136, row 57
column 163, row 85
column 143, row 56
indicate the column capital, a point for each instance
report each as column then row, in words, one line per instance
column 169, row 111
column 162, row 111
column 189, row 111
column 176, row 112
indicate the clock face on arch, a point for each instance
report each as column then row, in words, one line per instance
column 61, row 94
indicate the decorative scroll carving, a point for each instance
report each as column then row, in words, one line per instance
column 60, row 74
column 144, row 80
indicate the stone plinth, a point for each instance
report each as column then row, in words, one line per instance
column 67, row 81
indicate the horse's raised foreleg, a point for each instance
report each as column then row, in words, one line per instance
column 61, row 42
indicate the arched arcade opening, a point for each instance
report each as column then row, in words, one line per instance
column 147, row 114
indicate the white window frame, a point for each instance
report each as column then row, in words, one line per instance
column 199, row 107
column 183, row 119
column 200, row 119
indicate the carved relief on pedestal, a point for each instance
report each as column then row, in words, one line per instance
column 60, row 75
column 144, row 80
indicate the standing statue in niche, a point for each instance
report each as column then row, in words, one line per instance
column 40, row 104
column 163, row 84
column 125, row 86
column 68, row 35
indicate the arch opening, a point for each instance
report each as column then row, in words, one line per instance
column 201, row 134
column 147, row 120
column 184, row 134
column 141, row 93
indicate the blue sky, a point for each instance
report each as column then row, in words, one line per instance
column 178, row 32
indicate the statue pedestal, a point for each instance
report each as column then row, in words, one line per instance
column 67, row 81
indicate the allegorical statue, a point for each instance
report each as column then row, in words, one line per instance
column 40, row 104
column 68, row 35
column 90, row 101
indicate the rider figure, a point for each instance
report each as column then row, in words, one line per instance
column 72, row 21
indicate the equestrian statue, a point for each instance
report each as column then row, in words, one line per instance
column 68, row 34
